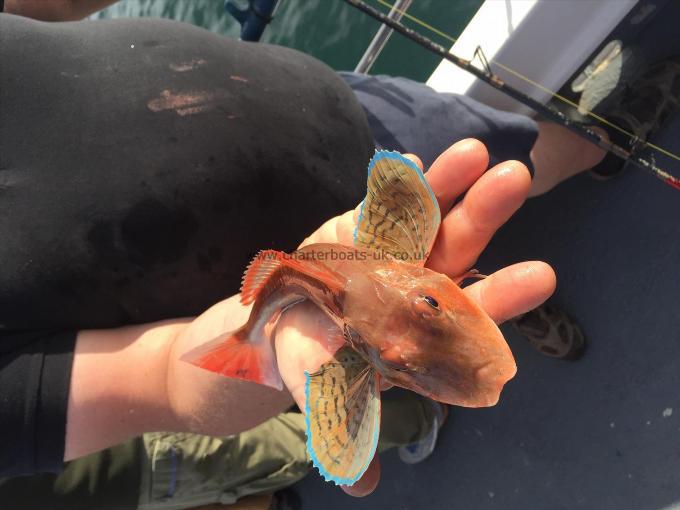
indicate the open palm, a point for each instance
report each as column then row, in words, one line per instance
column 305, row 338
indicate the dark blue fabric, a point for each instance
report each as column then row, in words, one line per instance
column 409, row 116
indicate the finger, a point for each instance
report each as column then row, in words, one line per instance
column 415, row 159
column 449, row 176
column 368, row 481
column 514, row 290
column 467, row 229
column 455, row 170
column 338, row 229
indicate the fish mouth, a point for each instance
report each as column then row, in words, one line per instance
column 478, row 386
column 491, row 377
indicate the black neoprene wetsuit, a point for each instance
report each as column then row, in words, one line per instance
column 142, row 163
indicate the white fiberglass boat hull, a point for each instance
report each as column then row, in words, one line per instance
column 545, row 40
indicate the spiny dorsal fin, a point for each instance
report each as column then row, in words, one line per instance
column 267, row 262
column 260, row 269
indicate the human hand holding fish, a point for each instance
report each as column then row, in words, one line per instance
column 406, row 324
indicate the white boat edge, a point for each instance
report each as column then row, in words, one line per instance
column 545, row 40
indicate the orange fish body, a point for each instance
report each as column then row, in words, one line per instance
column 417, row 327
column 413, row 326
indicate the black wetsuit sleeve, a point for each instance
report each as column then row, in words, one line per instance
column 142, row 164
column 35, row 373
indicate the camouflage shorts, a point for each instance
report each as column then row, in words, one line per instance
column 188, row 470
column 165, row 471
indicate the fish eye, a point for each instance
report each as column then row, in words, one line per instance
column 431, row 301
column 424, row 305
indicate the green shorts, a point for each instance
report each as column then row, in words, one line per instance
column 166, row 471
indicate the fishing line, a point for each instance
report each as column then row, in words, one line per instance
column 525, row 78
column 544, row 110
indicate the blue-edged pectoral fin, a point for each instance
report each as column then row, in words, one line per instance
column 400, row 214
column 342, row 413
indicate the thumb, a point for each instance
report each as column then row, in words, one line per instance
column 367, row 483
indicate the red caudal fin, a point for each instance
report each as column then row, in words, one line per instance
column 234, row 355
column 260, row 269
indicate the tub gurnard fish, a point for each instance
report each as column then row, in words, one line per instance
column 402, row 322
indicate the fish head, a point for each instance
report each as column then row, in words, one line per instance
column 423, row 333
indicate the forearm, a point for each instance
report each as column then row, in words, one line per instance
column 55, row 10
column 213, row 404
column 118, row 386
column 128, row 381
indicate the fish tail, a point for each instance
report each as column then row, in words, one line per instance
column 234, row 355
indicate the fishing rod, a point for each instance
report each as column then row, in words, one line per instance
column 381, row 37
column 488, row 77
